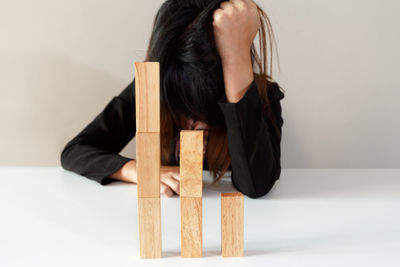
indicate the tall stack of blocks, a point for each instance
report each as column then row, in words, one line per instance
column 148, row 162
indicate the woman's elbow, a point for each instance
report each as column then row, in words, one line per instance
column 64, row 157
column 262, row 184
column 260, row 191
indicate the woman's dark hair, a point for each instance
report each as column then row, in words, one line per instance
column 191, row 77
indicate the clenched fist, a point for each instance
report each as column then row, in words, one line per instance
column 235, row 24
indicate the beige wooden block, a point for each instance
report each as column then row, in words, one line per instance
column 232, row 224
column 191, row 227
column 149, row 213
column 191, row 163
column 147, row 96
column 148, row 163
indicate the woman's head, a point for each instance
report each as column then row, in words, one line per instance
column 191, row 73
column 191, row 77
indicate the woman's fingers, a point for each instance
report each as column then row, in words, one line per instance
column 225, row 5
column 170, row 171
column 171, row 182
column 165, row 190
column 176, row 176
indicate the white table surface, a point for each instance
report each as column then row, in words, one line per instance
column 312, row 217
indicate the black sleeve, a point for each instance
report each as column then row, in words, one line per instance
column 93, row 153
column 254, row 146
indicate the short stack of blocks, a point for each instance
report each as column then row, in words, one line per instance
column 232, row 224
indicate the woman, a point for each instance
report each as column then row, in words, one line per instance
column 208, row 81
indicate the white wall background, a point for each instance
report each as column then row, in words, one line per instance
column 339, row 68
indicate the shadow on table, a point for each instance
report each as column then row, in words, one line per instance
column 206, row 254
column 306, row 243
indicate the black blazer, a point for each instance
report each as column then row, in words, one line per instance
column 254, row 146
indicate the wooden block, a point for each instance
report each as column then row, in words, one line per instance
column 191, row 163
column 149, row 213
column 147, row 96
column 148, row 163
column 191, row 227
column 232, row 224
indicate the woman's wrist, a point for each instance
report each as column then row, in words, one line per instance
column 127, row 172
column 238, row 75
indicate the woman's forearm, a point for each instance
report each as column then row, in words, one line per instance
column 238, row 75
column 127, row 172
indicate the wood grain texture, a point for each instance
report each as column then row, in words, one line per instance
column 149, row 213
column 232, row 224
column 147, row 96
column 191, row 227
column 148, row 163
column 191, row 163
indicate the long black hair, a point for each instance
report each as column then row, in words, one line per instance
column 190, row 67
column 191, row 74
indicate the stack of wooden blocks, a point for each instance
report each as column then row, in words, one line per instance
column 148, row 162
column 191, row 187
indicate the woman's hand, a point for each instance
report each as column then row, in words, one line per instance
column 169, row 177
column 235, row 25
column 169, row 180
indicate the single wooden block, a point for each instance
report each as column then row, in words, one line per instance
column 232, row 224
column 148, row 164
column 191, row 163
column 147, row 96
column 149, row 213
column 191, row 227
